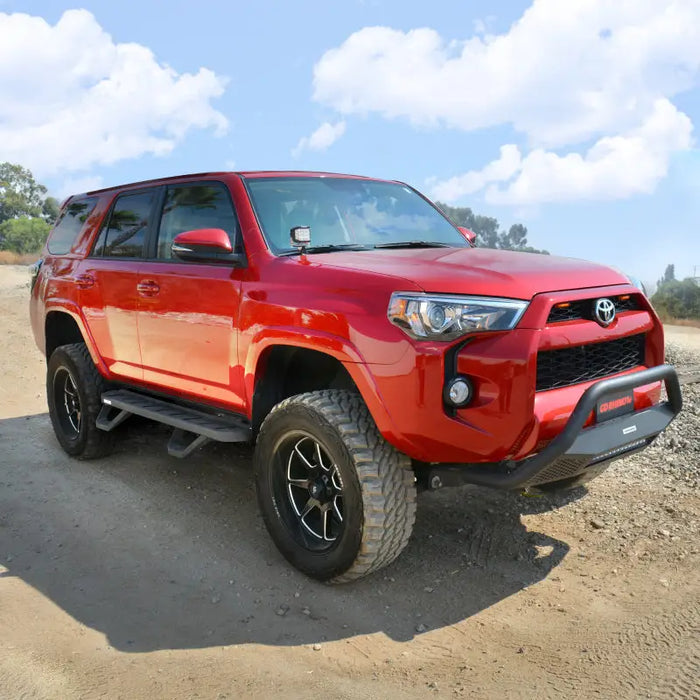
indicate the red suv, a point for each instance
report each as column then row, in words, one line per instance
column 355, row 334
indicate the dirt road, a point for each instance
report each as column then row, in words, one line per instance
column 141, row 576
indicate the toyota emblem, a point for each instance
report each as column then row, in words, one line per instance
column 604, row 312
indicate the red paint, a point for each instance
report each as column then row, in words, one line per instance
column 203, row 331
column 213, row 237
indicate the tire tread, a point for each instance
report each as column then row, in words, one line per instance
column 385, row 476
column 98, row 443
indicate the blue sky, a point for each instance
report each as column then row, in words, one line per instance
column 578, row 119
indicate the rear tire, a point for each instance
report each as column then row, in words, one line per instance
column 338, row 501
column 74, row 388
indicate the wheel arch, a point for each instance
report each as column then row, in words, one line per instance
column 357, row 376
column 60, row 328
column 63, row 326
column 284, row 370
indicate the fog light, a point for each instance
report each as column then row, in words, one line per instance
column 458, row 392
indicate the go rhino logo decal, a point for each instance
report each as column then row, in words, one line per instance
column 616, row 403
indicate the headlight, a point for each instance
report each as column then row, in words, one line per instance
column 442, row 317
column 634, row 281
column 638, row 284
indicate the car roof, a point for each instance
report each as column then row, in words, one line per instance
column 251, row 174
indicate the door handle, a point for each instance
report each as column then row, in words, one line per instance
column 147, row 288
column 85, row 281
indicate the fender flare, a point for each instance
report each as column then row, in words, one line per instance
column 71, row 309
column 336, row 347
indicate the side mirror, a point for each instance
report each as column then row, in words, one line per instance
column 469, row 235
column 205, row 245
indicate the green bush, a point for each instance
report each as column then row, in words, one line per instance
column 675, row 299
column 23, row 235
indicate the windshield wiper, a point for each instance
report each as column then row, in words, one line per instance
column 413, row 244
column 328, row 248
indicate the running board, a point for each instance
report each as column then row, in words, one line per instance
column 193, row 428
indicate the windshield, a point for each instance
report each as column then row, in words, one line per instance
column 345, row 212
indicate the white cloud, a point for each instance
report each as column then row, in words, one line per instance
column 564, row 74
column 76, row 185
column 503, row 168
column 72, row 98
column 614, row 167
column 321, row 139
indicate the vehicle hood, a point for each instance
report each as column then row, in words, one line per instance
column 478, row 271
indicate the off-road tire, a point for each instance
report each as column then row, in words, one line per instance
column 88, row 441
column 379, row 494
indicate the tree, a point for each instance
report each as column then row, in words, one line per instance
column 488, row 231
column 24, row 234
column 26, row 213
column 20, row 193
column 50, row 210
column 669, row 275
column 677, row 299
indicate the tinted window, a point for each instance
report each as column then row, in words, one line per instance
column 347, row 211
column 70, row 223
column 128, row 223
column 189, row 207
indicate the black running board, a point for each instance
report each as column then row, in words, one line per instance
column 193, row 428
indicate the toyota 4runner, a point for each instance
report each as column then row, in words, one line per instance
column 351, row 331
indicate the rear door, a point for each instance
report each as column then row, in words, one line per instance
column 188, row 312
column 108, row 280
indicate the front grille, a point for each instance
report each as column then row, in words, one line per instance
column 583, row 308
column 584, row 363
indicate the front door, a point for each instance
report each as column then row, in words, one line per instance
column 188, row 312
column 108, row 282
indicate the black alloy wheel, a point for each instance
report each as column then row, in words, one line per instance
column 67, row 402
column 336, row 498
column 74, row 390
column 314, row 488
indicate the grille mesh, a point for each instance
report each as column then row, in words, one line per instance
column 583, row 309
column 562, row 468
column 584, row 363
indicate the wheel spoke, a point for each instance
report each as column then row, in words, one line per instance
column 314, row 489
column 326, row 511
column 71, row 402
column 336, row 509
column 301, row 456
column 319, row 458
column 311, row 504
column 336, row 481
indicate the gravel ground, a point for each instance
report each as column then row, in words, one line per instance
column 676, row 452
column 140, row 576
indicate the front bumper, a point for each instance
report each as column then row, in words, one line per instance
column 577, row 451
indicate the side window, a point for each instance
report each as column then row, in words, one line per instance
column 124, row 236
column 193, row 206
column 70, row 223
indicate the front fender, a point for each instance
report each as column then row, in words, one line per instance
column 335, row 346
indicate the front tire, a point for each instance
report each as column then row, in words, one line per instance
column 74, row 388
column 338, row 501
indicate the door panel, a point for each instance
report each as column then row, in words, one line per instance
column 110, row 305
column 108, row 279
column 188, row 329
column 188, row 312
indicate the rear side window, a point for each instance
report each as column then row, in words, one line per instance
column 124, row 235
column 193, row 206
column 71, row 222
